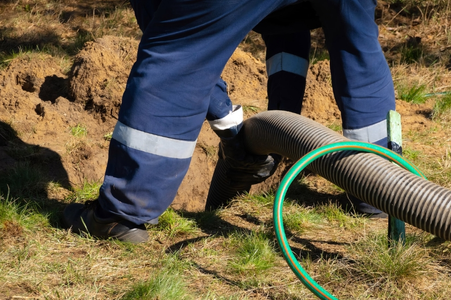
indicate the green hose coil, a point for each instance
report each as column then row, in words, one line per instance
column 291, row 175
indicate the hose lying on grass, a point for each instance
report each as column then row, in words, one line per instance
column 367, row 176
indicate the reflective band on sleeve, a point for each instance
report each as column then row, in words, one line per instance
column 154, row 144
column 235, row 118
column 287, row 62
column 370, row 134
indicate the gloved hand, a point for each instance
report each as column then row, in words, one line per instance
column 246, row 168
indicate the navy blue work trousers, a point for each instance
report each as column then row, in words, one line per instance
column 174, row 85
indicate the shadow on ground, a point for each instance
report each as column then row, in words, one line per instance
column 29, row 174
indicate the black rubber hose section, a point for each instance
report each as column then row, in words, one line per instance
column 369, row 177
column 221, row 191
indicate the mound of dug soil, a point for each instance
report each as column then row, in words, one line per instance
column 42, row 107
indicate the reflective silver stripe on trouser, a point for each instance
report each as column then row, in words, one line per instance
column 370, row 134
column 153, row 144
column 234, row 118
column 287, row 62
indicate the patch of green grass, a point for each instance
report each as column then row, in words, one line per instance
column 411, row 154
column 375, row 260
column 79, row 130
column 167, row 283
column 164, row 285
column 442, row 106
column 300, row 218
column 411, row 54
column 16, row 215
column 261, row 199
column 414, row 94
column 174, row 224
column 336, row 215
column 7, row 58
column 335, row 127
column 255, row 253
column 89, row 191
column 255, row 208
column 331, row 269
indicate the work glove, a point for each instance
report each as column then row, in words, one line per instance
column 245, row 168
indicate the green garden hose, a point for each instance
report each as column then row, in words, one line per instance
column 291, row 175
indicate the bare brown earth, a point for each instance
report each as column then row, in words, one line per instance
column 41, row 104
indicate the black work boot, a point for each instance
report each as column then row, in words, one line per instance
column 81, row 218
column 365, row 210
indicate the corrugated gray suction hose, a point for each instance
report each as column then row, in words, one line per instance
column 367, row 176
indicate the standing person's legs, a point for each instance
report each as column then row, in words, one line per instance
column 287, row 64
column 361, row 78
column 286, row 33
column 182, row 53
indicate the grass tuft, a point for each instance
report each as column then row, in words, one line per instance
column 89, row 191
column 79, row 130
column 414, row 94
column 174, row 224
column 263, row 199
column 255, row 253
column 335, row 214
column 301, row 219
column 15, row 216
column 442, row 107
column 376, row 261
column 411, row 54
column 168, row 283
column 412, row 154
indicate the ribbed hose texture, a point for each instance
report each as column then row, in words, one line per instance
column 369, row 177
column 221, row 191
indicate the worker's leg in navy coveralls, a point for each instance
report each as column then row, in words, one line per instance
column 220, row 103
column 180, row 58
column 363, row 100
column 287, row 64
column 361, row 79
